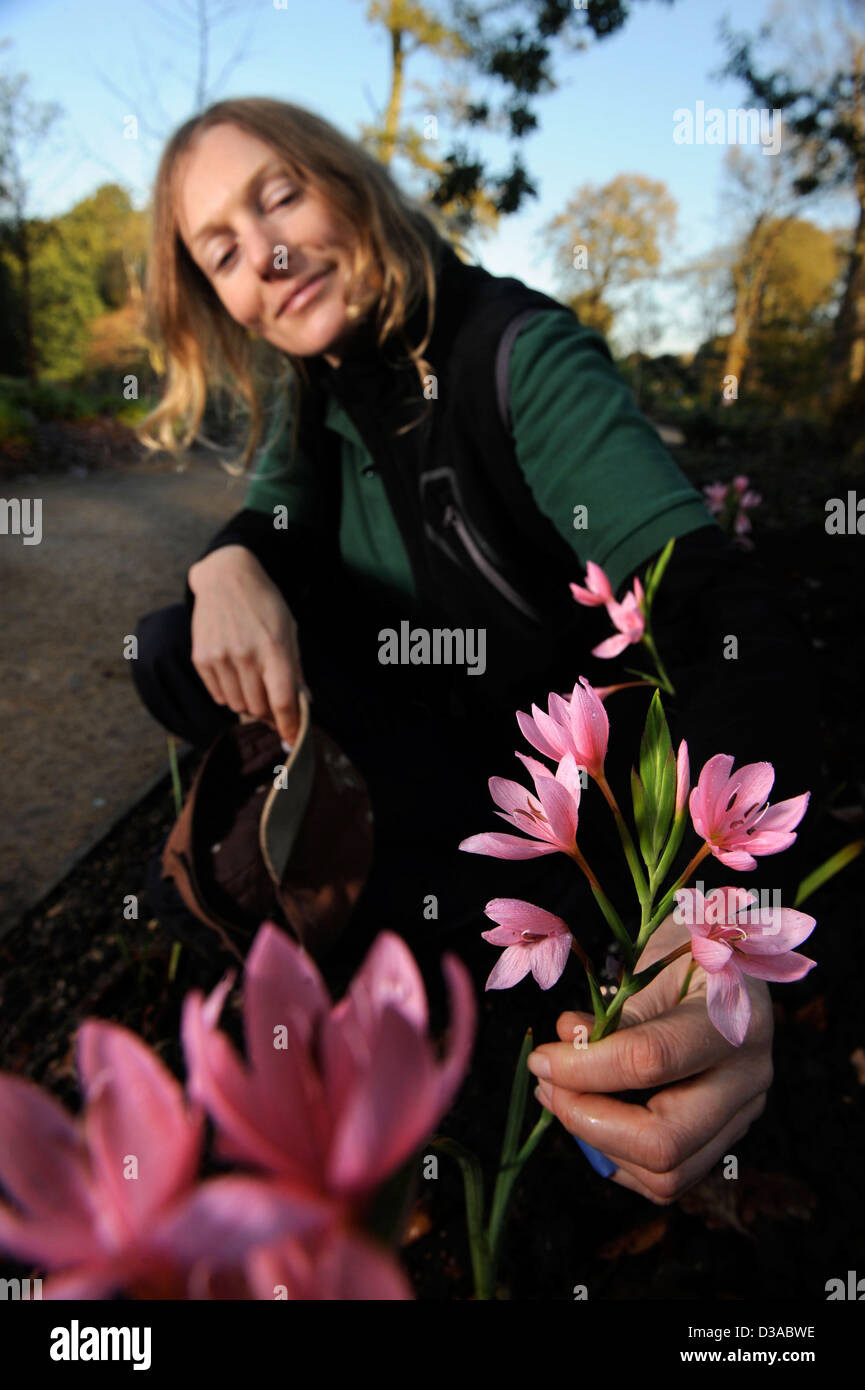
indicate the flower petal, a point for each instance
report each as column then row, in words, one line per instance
column 549, row 959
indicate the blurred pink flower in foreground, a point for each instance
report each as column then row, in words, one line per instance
column 340, row 1265
column 578, row 724
column 629, row 618
column 730, row 938
column 335, row 1097
column 536, row 941
column 109, row 1199
column 550, row 818
column 732, row 814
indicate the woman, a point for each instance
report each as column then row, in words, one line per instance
column 397, row 493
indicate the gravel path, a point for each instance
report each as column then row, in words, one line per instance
column 77, row 745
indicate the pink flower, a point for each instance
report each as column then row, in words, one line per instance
column 536, row 941
column 628, row 617
column 335, row 1098
column 109, row 1200
column 577, row 725
column 732, row 812
column 341, row 1265
column 716, row 496
column 597, row 591
column 729, row 943
column 550, row 818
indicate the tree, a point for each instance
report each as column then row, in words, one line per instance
column 609, row 237
column 24, row 124
column 821, row 90
column 509, row 45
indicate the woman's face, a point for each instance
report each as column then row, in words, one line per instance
column 259, row 237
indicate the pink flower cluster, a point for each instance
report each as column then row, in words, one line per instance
column 729, row 811
column 628, row 616
column 330, row 1101
column 733, row 501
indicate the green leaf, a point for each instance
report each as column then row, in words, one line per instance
column 654, row 749
column 666, row 805
column 671, row 849
column 517, row 1107
column 638, row 796
column 655, row 573
column 832, row 866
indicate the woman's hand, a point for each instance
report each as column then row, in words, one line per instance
column 713, row 1091
column 244, row 639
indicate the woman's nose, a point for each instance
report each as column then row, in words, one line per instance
column 268, row 256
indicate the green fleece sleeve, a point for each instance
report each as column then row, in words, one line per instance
column 582, row 442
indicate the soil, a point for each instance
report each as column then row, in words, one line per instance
column 780, row 1231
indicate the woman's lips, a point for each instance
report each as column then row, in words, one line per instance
column 302, row 296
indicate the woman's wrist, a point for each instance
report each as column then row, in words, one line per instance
column 228, row 559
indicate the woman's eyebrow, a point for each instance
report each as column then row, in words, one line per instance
column 218, row 224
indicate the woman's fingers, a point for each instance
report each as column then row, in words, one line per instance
column 231, row 687
column 282, row 686
column 664, row 1188
column 671, row 1129
column 210, row 679
column 252, row 687
column 676, row 1044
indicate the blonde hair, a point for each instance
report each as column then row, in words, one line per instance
column 397, row 250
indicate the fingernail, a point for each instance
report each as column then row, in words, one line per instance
column 539, row 1065
column 602, row 1165
column 543, row 1095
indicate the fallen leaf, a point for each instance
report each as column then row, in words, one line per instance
column 736, row 1203
column 636, row 1241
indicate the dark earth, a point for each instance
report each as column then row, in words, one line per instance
column 783, row 1229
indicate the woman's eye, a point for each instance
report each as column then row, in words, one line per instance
column 286, row 198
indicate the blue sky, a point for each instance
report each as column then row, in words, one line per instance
column 612, row 112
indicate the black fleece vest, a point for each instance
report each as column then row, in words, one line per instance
column 481, row 551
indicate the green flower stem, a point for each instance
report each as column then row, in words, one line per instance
column 473, row 1183
column 175, row 774
column 645, row 977
column 611, row 916
column 597, row 997
column 663, row 908
column 540, row 1129
column 649, row 643
column 615, row 923
column 628, row 845
column 684, row 990
column 659, row 873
